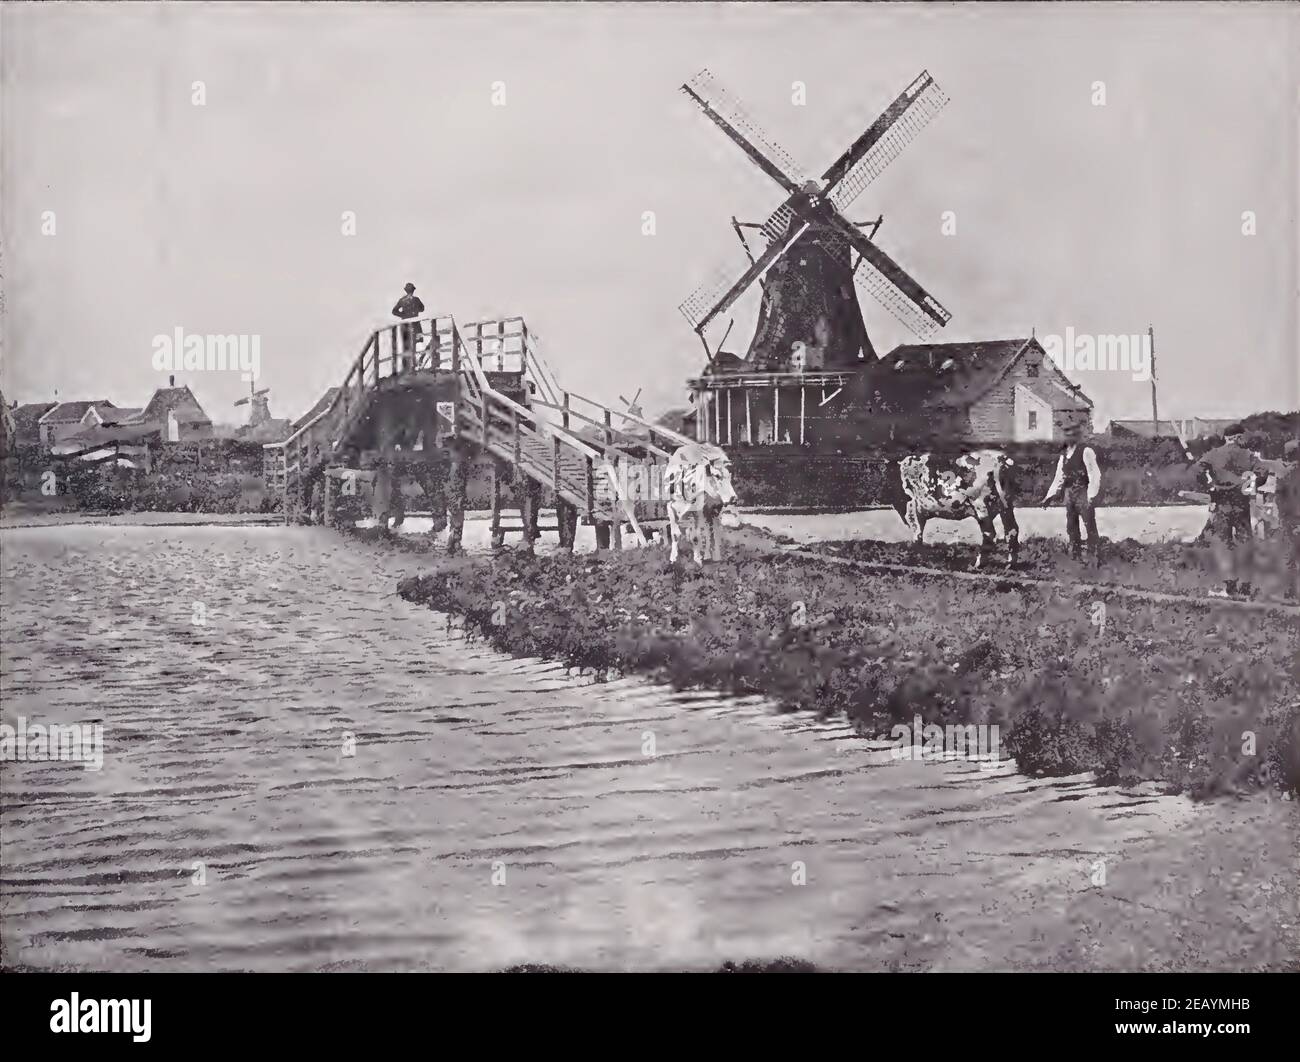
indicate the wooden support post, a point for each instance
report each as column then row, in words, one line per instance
column 498, row 536
column 729, row 393
column 457, row 474
column 749, row 428
column 555, row 467
column 616, row 529
column 802, row 396
column 609, row 438
column 527, row 509
column 327, row 508
column 717, row 417
column 564, row 416
column 515, row 437
column 591, row 487
column 776, row 414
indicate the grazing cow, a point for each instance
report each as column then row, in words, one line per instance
column 975, row 484
column 697, row 485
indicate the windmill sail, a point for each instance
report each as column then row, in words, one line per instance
column 725, row 110
column 884, row 140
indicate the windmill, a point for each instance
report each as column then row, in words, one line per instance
column 633, row 406
column 260, row 411
column 815, row 260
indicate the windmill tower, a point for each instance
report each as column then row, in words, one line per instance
column 811, row 263
column 259, row 405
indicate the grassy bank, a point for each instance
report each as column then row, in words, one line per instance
column 1169, row 567
column 1155, row 691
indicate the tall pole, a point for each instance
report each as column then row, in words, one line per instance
column 1155, row 416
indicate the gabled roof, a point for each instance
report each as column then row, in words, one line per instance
column 321, row 405
column 1060, row 398
column 28, row 415
column 273, row 430
column 957, row 375
column 120, row 414
column 179, row 400
column 72, row 412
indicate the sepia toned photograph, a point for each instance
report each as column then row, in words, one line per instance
column 650, row 487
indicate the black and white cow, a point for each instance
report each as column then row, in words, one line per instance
column 976, row 484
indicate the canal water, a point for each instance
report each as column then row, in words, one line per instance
column 301, row 771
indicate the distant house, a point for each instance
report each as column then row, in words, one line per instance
column 67, row 418
column 26, row 420
column 176, row 413
column 322, row 404
column 273, row 430
column 1188, row 428
column 1005, row 390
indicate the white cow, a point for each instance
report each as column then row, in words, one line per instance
column 697, row 483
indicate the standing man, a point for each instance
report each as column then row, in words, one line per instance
column 1080, row 477
column 407, row 307
column 1226, row 468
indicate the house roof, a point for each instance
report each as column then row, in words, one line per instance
column 272, row 430
column 957, row 375
column 321, row 405
column 72, row 412
column 27, row 416
column 1056, row 395
column 120, row 414
column 178, row 400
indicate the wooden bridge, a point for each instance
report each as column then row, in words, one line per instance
column 428, row 397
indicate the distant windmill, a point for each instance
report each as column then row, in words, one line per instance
column 260, row 411
column 814, row 258
column 633, row 407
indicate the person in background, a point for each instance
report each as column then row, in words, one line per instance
column 1078, row 474
column 407, row 307
column 1226, row 469
column 1287, row 493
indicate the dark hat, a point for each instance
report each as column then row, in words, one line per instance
column 409, row 288
column 1234, row 429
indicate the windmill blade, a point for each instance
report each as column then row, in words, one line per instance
column 890, row 285
column 884, row 140
column 725, row 111
column 714, row 296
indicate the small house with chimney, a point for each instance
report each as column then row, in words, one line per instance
column 176, row 413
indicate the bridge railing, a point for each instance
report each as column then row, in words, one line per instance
column 386, row 353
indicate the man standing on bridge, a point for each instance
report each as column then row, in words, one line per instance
column 1226, row 468
column 408, row 306
column 1078, row 474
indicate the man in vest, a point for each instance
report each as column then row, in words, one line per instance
column 1227, row 468
column 1079, row 476
column 408, row 306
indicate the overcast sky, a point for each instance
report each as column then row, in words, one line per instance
column 227, row 217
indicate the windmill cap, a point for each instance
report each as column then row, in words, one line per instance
column 409, row 288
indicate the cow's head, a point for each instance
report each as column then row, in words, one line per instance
column 703, row 472
column 989, row 468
